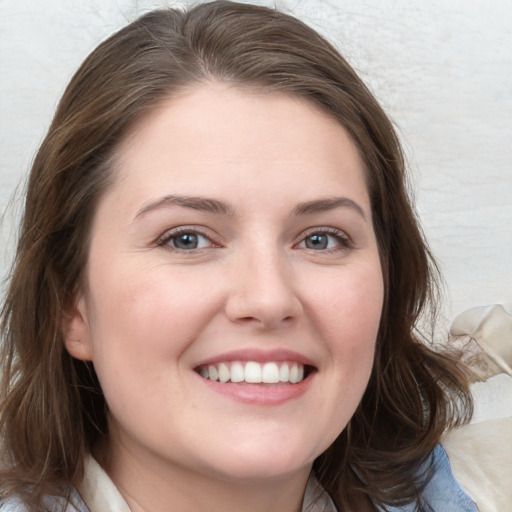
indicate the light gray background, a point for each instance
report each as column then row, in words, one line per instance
column 442, row 70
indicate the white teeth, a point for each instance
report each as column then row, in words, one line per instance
column 224, row 373
column 294, row 374
column 270, row 373
column 237, row 372
column 284, row 373
column 214, row 374
column 254, row 373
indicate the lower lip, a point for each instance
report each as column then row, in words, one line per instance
column 260, row 394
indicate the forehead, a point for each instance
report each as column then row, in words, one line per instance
column 213, row 132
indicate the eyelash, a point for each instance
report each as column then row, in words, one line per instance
column 344, row 241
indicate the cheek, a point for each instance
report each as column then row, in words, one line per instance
column 145, row 318
column 349, row 317
column 349, row 306
column 361, row 319
column 140, row 301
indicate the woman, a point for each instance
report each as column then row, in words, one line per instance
column 217, row 283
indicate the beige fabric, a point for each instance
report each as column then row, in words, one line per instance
column 492, row 398
column 491, row 327
column 481, row 453
column 481, row 459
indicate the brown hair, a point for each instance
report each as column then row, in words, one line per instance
column 53, row 411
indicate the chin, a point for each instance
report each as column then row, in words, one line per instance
column 260, row 461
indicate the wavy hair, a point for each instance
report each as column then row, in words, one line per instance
column 52, row 409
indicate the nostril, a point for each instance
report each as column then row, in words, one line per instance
column 247, row 319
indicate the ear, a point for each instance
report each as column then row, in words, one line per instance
column 76, row 330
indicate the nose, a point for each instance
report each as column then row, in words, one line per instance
column 262, row 291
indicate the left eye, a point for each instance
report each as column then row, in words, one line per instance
column 322, row 241
column 188, row 241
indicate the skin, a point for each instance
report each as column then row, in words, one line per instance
column 153, row 312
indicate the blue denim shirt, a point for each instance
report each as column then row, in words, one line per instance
column 442, row 493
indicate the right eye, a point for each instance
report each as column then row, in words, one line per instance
column 185, row 240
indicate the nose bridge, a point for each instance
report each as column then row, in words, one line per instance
column 262, row 288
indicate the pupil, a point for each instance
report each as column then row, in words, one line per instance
column 316, row 242
column 186, row 241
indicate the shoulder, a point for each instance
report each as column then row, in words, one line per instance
column 51, row 504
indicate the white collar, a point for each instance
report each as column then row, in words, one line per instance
column 101, row 495
column 316, row 499
column 98, row 491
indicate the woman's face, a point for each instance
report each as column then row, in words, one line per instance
column 235, row 246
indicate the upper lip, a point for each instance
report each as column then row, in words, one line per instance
column 258, row 356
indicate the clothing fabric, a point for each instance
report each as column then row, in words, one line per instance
column 480, row 453
column 481, row 459
column 443, row 493
column 52, row 504
column 97, row 493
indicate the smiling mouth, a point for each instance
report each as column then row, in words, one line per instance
column 252, row 372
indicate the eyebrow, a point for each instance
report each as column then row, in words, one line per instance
column 221, row 207
column 196, row 203
column 326, row 204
